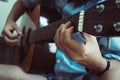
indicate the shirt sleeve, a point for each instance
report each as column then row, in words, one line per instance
column 29, row 3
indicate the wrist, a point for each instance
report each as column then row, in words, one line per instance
column 101, row 70
column 10, row 20
column 101, row 65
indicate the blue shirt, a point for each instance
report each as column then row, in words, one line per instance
column 65, row 68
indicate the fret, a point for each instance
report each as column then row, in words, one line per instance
column 47, row 33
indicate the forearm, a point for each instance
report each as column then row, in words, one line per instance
column 114, row 64
column 17, row 10
column 11, row 72
column 101, row 68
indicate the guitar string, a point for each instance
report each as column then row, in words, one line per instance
column 109, row 9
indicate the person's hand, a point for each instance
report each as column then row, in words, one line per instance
column 87, row 54
column 9, row 36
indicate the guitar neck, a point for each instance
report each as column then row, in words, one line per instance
column 47, row 33
column 102, row 21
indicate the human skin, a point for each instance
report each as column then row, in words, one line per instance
column 13, row 72
column 87, row 54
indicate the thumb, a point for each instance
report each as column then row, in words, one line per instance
column 18, row 31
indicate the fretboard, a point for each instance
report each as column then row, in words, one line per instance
column 47, row 33
column 102, row 21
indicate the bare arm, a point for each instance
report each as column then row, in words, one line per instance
column 12, row 72
column 10, row 26
column 17, row 10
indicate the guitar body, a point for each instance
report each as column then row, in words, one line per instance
column 36, row 57
column 43, row 60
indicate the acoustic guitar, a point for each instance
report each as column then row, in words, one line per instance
column 101, row 20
